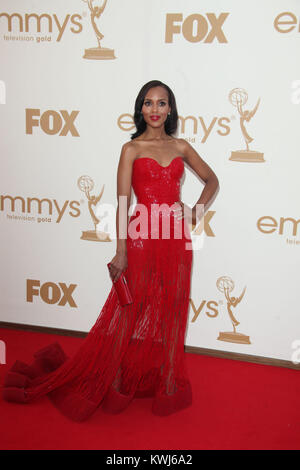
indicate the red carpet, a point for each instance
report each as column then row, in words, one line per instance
column 236, row 405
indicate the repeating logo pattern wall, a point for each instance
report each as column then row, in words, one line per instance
column 70, row 74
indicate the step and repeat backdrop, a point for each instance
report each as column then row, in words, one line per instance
column 70, row 73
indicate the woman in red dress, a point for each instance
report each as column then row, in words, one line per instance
column 136, row 350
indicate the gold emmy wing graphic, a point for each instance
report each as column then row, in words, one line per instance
column 97, row 53
column 238, row 97
column 225, row 285
column 86, row 184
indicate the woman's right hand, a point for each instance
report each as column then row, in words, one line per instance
column 118, row 264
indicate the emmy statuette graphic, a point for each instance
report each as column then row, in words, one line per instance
column 238, row 97
column 97, row 53
column 225, row 285
column 86, row 184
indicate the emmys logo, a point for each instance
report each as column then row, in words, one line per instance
column 226, row 285
column 86, row 184
column 238, row 97
column 99, row 52
column 51, row 122
column 27, row 204
column 268, row 224
column 2, row 352
column 196, row 27
column 211, row 309
column 286, row 22
column 50, row 292
column 217, row 125
column 50, row 25
column 33, row 22
column 2, row 92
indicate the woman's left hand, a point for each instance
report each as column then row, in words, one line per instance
column 184, row 211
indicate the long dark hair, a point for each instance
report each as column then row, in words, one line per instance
column 170, row 122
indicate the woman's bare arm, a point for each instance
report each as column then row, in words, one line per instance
column 204, row 171
column 124, row 174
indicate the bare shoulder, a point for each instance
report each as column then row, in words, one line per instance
column 189, row 154
column 128, row 147
column 195, row 161
column 183, row 146
column 128, row 152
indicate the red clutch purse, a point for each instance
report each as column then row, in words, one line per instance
column 122, row 290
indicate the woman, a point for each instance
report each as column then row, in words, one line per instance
column 136, row 350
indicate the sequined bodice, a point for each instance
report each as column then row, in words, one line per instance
column 153, row 183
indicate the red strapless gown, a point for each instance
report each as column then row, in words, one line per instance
column 131, row 351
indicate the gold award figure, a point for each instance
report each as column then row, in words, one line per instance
column 98, row 53
column 225, row 284
column 238, row 97
column 86, row 184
